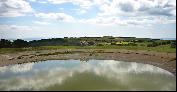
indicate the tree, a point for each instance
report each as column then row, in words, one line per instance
column 20, row 43
column 5, row 43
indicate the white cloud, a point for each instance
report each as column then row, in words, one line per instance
column 83, row 11
column 14, row 27
column 117, row 7
column 86, row 4
column 32, row 0
column 56, row 16
column 131, row 21
column 14, row 8
column 80, row 11
column 101, row 2
column 39, row 1
column 14, row 31
column 41, row 23
column 134, row 12
column 102, row 21
column 44, row 2
column 159, row 11
column 115, row 12
column 139, row 8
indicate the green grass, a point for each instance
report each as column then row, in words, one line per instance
column 11, row 50
column 165, row 48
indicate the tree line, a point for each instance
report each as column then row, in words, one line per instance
column 19, row 43
column 161, row 42
column 13, row 44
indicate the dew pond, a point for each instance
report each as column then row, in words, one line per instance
column 94, row 75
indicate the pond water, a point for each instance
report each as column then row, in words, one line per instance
column 102, row 75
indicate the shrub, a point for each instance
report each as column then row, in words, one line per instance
column 154, row 44
column 173, row 44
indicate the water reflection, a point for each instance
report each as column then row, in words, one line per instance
column 93, row 75
column 18, row 68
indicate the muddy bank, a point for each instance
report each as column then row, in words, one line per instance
column 166, row 61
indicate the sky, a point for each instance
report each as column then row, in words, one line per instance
column 21, row 19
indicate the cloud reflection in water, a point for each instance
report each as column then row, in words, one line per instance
column 48, row 74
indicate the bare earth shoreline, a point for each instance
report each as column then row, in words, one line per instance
column 163, row 60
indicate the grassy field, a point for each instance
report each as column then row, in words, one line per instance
column 165, row 48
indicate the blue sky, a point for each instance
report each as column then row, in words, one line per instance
column 78, row 18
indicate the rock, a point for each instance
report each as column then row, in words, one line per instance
column 20, row 57
column 11, row 58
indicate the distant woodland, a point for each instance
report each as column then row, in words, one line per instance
column 87, row 41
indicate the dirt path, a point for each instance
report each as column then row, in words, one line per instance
column 166, row 61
